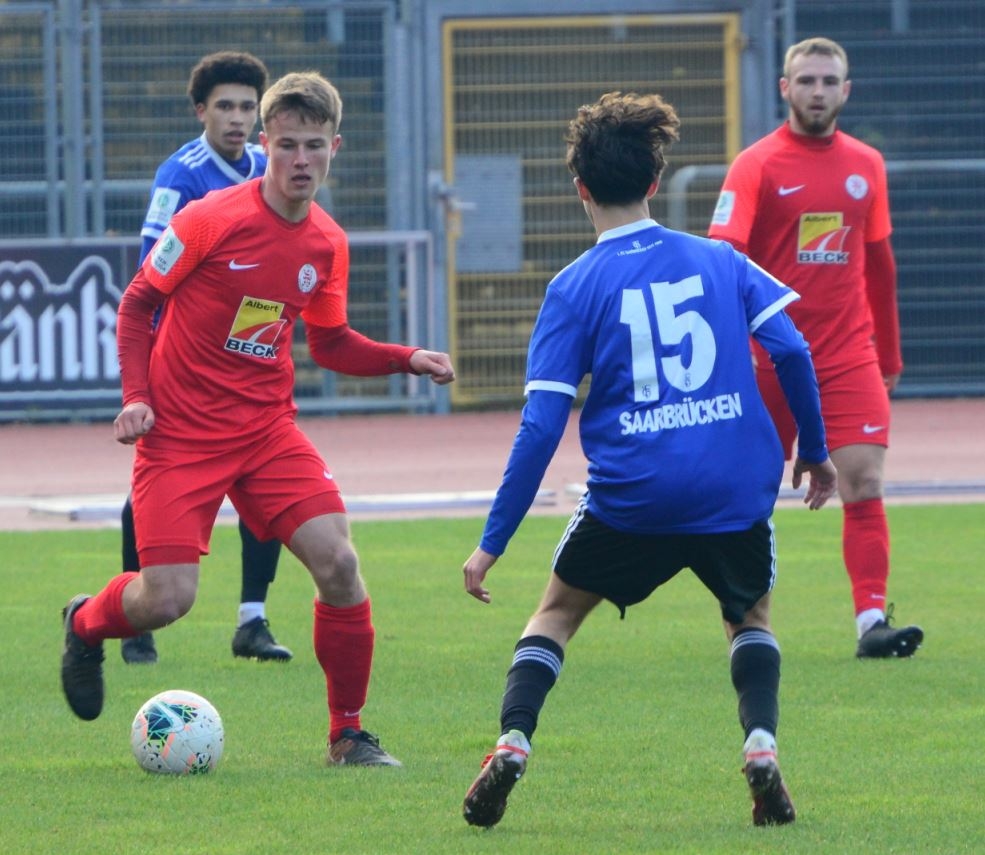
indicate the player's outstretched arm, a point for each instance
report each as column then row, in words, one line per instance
column 822, row 483
column 341, row 348
column 475, row 570
column 437, row 365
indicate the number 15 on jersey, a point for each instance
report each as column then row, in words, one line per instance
column 673, row 328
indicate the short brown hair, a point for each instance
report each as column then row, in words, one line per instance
column 815, row 45
column 306, row 93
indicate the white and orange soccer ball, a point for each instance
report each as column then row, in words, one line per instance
column 177, row 733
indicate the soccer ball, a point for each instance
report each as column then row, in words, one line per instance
column 177, row 733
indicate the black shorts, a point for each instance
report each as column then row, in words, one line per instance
column 738, row 567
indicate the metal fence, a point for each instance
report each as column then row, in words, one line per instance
column 80, row 164
column 92, row 99
column 512, row 87
column 454, row 121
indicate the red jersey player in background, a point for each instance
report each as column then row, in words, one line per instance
column 210, row 407
column 810, row 204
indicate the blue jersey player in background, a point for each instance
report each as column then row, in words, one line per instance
column 684, row 464
column 225, row 90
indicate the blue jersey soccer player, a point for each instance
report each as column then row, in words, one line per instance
column 684, row 464
column 225, row 89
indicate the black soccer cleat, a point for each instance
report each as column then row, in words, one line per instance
column 485, row 802
column 82, row 667
column 253, row 640
column 882, row 641
column 359, row 748
column 771, row 803
column 139, row 649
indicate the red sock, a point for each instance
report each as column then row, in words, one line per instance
column 865, row 546
column 344, row 648
column 102, row 616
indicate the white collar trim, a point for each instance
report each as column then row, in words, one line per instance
column 628, row 229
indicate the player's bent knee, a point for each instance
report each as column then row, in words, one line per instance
column 338, row 568
column 171, row 611
column 163, row 593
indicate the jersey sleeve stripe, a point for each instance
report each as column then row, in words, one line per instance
column 771, row 310
column 550, row 386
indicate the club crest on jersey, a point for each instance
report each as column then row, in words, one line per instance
column 856, row 186
column 256, row 327
column 307, row 277
column 821, row 239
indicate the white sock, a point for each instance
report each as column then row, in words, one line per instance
column 760, row 740
column 516, row 743
column 250, row 611
column 864, row 621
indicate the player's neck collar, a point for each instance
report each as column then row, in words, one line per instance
column 627, row 229
column 809, row 140
column 231, row 168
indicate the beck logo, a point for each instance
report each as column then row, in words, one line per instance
column 256, row 327
column 821, row 239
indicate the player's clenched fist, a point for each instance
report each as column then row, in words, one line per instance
column 437, row 365
column 133, row 422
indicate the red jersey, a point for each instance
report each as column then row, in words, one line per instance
column 803, row 208
column 237, row 277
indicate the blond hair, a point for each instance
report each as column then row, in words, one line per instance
column 306, row 93
column 814, row 45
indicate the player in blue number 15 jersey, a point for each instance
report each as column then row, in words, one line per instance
column 684, row 464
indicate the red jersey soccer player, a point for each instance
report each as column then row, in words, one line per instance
column 225, row 88
column 810, row 204
column 211, row 410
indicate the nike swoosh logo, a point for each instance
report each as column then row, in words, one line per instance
column 233, row 265
column 786, row 191
column 872, row 428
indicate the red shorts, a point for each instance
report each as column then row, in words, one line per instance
column 276, row 483
column 854, row 406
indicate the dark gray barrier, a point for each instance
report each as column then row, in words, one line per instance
column 58, row 304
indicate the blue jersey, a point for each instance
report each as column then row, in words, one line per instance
column 188, row 174
column 675, row 432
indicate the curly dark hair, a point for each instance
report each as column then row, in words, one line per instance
column 616, row 145
column 226, row 66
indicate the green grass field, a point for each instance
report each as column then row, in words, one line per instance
column 638, row 748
